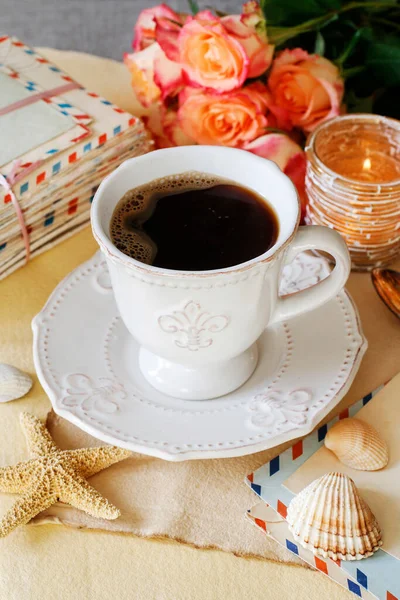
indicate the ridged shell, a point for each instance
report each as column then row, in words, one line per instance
column 330, row 518
column 357, row 445
column 13, row 383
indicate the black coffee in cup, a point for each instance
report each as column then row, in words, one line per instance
column 193, row 222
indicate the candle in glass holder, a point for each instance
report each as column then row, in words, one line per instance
column 353, row 185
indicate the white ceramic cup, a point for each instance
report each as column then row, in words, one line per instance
column 198, row 330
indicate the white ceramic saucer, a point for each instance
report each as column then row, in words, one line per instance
column 87, row 362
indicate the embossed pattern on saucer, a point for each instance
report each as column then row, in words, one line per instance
column 87, row 363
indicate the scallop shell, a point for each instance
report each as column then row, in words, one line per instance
column 357, row 445
column 330, row 518
column 13, row 383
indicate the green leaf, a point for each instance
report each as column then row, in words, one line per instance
column 356, row 104
column 383, row 58
column 194, row 7
column 351, row 46
column 281, row 35
column 319, row 47
column 293, row 12
column 296, row 12
column 353, row 71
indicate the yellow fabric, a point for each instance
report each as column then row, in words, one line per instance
column 56, row 563
column 52, row 562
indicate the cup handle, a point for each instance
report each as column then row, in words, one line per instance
column 315, row 237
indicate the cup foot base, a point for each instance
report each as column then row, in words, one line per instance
column 203, row 383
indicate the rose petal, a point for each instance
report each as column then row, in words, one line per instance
column 173, row 130
column 288, row 57
column 296, row 171
column 167, row 75
column 141, row 67
column 260, row 55
column 259, row 52
column 234, row 25
column 205, row 15
column 289, row 157
column 259, row 94
column 252, row 17
column 322, row 115
column 322, row 68
column 251, row 7
column 167, row 35
column 186, row 92
column 155, row 125
column 282, row 116
column 277, row 147
column 144, row 30
column 165, row 128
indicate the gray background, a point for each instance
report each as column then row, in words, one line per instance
column 102, row 27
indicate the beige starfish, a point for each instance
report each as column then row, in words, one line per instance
column 54, row 475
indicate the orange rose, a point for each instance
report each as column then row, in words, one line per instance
column 306, row 89
column 224, row 119
column 215, row 53
column 210, row 57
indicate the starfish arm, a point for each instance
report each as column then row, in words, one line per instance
column 25, row 508
column 38, row 438
column 89, row 461
column 78, row 493
column 15, row 479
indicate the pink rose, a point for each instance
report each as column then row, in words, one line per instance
column 306, row 89
column 145, row 28
column 154, row 76
column 218, row 54
column 289, row 157
column 231, row 119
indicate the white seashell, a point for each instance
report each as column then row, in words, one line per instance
column 13, row 383
column 330, row 518
column 357, row 445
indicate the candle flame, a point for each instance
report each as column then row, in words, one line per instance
column 367, row 164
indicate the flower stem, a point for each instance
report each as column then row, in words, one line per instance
column 279, row 35
column 346, row 73
column 349, row 48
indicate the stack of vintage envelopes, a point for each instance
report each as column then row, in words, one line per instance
column 58, row 141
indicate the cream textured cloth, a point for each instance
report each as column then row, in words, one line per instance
column 200, row 502
column 57, row 563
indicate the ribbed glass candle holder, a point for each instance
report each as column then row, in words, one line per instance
column 353, row 185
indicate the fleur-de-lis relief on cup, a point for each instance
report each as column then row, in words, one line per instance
column 198, row 329
column 192, row 326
